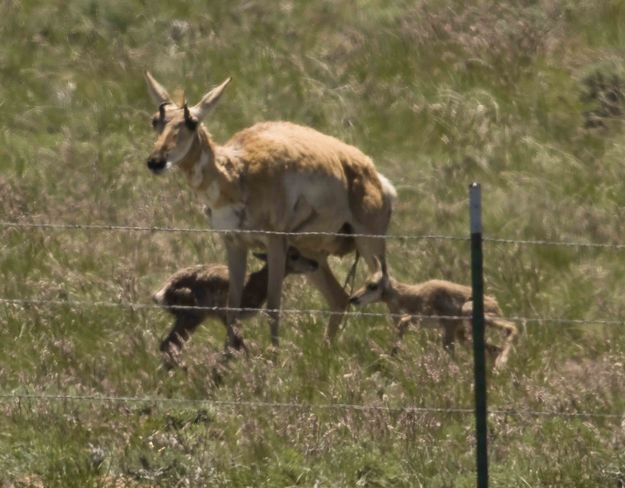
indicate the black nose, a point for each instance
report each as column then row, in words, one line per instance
column 354, row 301
column 156, row 165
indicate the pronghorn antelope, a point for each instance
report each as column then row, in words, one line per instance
column 276, row 177
column 439, row 298
column 207, row 286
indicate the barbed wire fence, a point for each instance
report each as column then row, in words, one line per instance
column 205, row 402
column 296, row 311
column 194, row 230
column 21, row 396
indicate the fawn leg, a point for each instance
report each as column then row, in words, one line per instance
column 510, row 331
column 449, row 334
column 171, row 346
column 401, row 325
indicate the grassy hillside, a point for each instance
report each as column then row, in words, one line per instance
column 526, row 97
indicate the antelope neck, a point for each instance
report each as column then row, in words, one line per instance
column 390, row 293
column 201, row 144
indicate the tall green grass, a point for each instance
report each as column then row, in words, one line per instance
column 439, row 94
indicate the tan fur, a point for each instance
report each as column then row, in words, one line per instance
column 436, row 298
column 278, row 176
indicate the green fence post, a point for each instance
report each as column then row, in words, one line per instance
column 477, row 281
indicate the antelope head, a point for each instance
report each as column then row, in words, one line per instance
column 176, row 126
column 374, row 290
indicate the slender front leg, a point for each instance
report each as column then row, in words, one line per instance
column 172, row 345
column 184, row 326
column 334, row 294
column 511, row 331
column 237, row 264
column 401, row 325
column 276, row 262
column 449, row 335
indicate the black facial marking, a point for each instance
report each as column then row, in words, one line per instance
column 161, row 111
column 189, row 121
column 158, row 121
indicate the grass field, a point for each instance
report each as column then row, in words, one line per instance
column 526, row 97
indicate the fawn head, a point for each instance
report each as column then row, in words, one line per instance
column 374, row 289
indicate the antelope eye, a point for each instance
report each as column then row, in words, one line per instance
column 155, row 122
column 372, row 286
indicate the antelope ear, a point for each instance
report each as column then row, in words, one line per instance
column 209, row 101
column 157, row 91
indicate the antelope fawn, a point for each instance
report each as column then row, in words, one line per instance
column 276, row 178
column 207, row 286
column 440, row 298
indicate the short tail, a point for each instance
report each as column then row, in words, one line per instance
column 159, row 296
column 389, row 191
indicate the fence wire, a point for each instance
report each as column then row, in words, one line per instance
column 195, row 402
column 49, row 398
column 296, row 311
column 191, row 230
column 139, row 228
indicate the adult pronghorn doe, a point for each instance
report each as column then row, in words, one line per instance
column 276, row 177
column 199, row 292
column 436, row 298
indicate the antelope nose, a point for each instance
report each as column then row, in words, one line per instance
column 354, row 301
column 156, row 165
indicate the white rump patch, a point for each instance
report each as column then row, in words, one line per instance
column 387, row 188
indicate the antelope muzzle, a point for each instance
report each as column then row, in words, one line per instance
column 157, row 164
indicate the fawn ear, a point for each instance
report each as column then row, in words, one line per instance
column 260, row 255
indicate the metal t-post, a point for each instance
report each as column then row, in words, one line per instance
column 477, row 280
